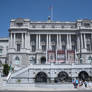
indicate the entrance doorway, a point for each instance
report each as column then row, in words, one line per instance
column 41, row 77
column 62, row 76
column 83, row 75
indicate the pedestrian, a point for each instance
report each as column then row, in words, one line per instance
column 85, row 83
column 73, row 82
column 80, row 83
column 76, row 83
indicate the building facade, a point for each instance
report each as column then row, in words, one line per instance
column 49, row 51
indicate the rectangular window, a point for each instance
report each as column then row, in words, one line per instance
column 33, row 48
column 63, row 47
column 88, row 47
column 0, row 51
column 73, row 47
column 18, row 47
column 53, row 47
column 43, row 48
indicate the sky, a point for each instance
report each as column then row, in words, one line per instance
column 39, row 10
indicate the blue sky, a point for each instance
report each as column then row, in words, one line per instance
column 38, row 10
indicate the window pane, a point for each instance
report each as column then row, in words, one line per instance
column 18, row 47
column 0, row 51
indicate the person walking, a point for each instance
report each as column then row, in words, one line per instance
column 85, row 83
column 76, row 83
column 73, row 82
column 80, row 83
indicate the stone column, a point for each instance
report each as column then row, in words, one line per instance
column 25, row 40
column 22, row 40
column 30, row 43
column 11, row 40
column 70, row 44
column 57, row 46
column 81, row 42
column 37, row 42
column 67, row 41
column 78, row 43
column 14, row 40
column 85, row 41
column 60, row 44
column 49, row 41
column 46, row 48
column 28, row 40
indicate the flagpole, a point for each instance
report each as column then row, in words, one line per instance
column 51, row 12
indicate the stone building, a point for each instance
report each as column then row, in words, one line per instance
column 49, row 51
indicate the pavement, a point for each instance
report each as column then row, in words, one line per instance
column 41, row 87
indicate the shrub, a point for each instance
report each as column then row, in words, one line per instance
column 6, row 69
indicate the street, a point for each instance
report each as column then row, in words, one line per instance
column 50, row 91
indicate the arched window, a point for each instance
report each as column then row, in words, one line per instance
column 32, row 60
column 90, row 59
column 17, row 60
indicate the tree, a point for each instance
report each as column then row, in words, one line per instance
column 6, row 69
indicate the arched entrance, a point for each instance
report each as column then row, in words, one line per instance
column 83, row 75
column 41, row 77
column 43, row 60
column 62, row 76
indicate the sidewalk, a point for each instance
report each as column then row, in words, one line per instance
column 41, row 87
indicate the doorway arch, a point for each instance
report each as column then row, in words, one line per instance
column 41, row 77
column 62, row 76
column 83, row 75
column 43, row 60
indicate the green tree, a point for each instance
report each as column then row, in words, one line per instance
column 6, row 69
